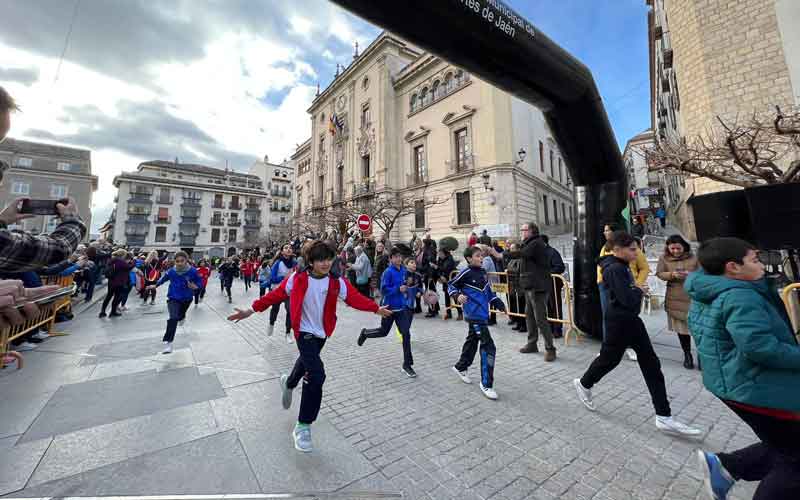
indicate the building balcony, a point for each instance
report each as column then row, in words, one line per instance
column 218, row 204
column 140, row 198
column 252, row 224
column 138, row 218
column 415, row 179
column 135, row 240
column 217, row 221
column 189, row 228
column 191, row 202
column 234, row 222
column 164, row 200
column 187, row 241
column 235, row 206
column 460, row 165
column 316, row 202
column 363, row 188
column 253, row 206
column 137, row 228
column 162, row 220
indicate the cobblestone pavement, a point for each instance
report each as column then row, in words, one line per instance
column 429, row 437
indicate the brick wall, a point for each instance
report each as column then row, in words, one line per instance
column 729, row 60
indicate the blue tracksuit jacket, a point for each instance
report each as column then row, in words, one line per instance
column 391, row 281
column 474, row 283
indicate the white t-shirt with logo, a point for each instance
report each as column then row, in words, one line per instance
column 314, row 302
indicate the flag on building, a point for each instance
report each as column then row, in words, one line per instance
column 335, row 125
column 331, row 126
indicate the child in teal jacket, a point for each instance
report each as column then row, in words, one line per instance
column 751, row 361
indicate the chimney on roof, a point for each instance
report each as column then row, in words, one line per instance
column 317, row 89
column 337, row 71
column 355, row 54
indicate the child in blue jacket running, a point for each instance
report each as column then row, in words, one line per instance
column 472, row 290
column 183, row 281
column 395, row 295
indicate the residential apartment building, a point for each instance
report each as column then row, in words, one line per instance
column 409, row 124
column 712, row 58
column 195, row 208
column 279, row 180
column 44, row 171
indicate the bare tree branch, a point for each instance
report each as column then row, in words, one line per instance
column 759, row 150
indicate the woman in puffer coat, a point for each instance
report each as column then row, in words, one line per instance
column 673, row 267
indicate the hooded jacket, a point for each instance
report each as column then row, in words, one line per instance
column 474, row 283
column 278, row 272
column 391, row 281
column 624, row 298
column 744, row 341
column 179, row 283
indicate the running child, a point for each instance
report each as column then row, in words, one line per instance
column 183, row 281
column 282, row 266
column 394, row 295
column 314, row 294
column 751, row 362
column 624, row 328
column 227, row 272
column 472, row 290
column 204, row 271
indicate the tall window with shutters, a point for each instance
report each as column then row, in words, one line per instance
column 419, row 214
column 462, row 149
column 555, row 212
column 546, row 211
column 541, row 155
column 463, row 209
column 420, row 170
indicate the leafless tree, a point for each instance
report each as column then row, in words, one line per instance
column 385, row 209
column 743, row 153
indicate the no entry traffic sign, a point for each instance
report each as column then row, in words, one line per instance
column 364, row 223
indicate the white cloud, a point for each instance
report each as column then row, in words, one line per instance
column 301, row 26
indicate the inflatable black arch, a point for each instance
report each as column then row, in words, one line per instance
column 491, row 40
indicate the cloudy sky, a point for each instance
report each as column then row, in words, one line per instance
column 211, row 81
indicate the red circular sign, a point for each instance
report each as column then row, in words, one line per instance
column 364, row 222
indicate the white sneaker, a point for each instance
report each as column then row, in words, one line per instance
column 289, row 338
column 181, row 322
column 672, row 426
column 584, row 394
column 488, row 392
column 462, row 375
column 41, row 336
column 631, row 354
column 25, row 346
column 167, row 348
column 270, row 329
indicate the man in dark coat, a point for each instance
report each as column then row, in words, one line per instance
column 534, row 279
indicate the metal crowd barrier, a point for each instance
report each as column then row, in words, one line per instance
column 49, row 306
column 500, row 286
column 791, row 301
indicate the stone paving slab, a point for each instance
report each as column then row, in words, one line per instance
column 19, row 462
column 214, row 464
column 98, row 402
column 88, row 449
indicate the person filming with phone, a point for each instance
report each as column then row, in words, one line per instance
column 22, row 251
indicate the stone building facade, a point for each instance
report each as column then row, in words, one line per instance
column 45, row 171
column 712, row 58
column 279, row 180
column 202, row 210
column 405, row 123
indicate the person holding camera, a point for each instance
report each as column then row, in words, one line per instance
column 21, row 251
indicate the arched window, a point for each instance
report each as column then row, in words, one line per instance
column 438, row 90
column 426, row 96
column 460, row 78
column 414, row 102
column 449, row 85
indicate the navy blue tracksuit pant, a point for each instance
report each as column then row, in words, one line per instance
column 403, row 319
column 478, row 333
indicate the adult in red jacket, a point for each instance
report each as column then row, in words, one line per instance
column 204, row 271
column 312, row 295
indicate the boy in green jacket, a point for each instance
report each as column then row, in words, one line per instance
column 751, row 361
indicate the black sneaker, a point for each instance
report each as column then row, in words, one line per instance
column 409, row 371
column 102, row 314
column 362, row 337
column 114, row 315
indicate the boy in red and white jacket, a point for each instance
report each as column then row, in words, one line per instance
column 312, row 295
